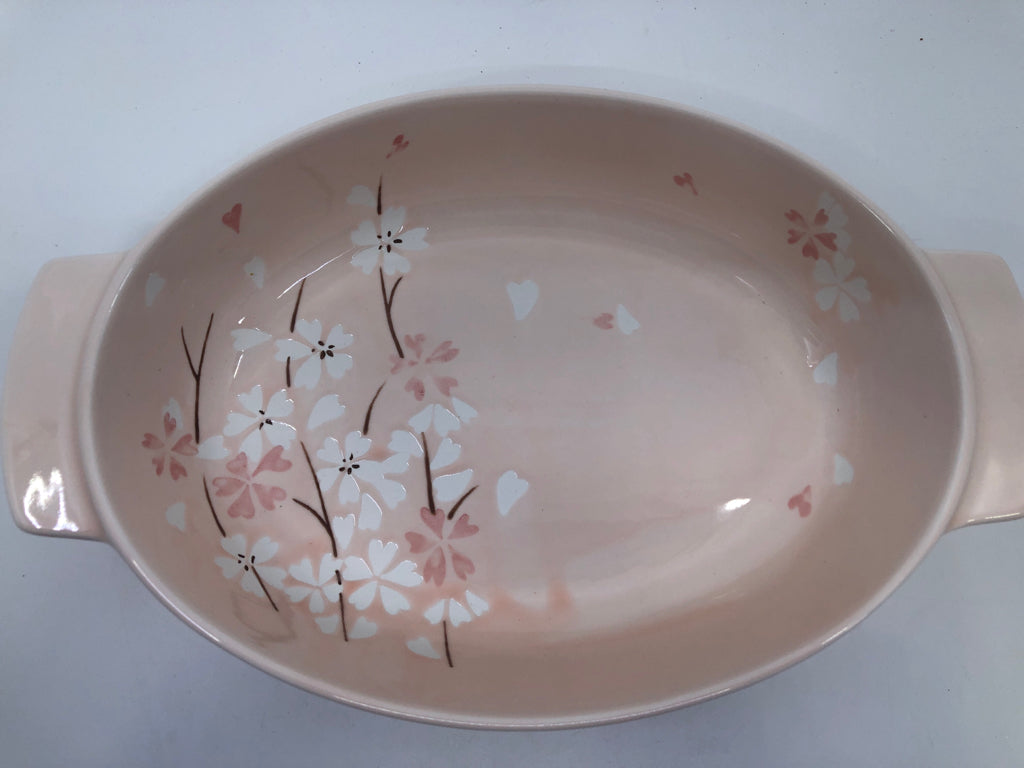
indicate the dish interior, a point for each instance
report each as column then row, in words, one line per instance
column 600, row 405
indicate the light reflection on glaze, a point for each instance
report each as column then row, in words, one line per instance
column 39, row 496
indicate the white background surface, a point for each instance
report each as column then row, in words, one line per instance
column 111, row 113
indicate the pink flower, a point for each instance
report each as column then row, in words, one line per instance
column 443, row 353
column 817, row 233
column 245, row 485
column 167, row 448
column 435, row 569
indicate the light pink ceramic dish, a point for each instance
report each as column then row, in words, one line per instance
column 520, row 408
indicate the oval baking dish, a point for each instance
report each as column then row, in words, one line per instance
column 520, row 407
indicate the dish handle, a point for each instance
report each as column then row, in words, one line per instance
column 991, row 312
column 46, row 486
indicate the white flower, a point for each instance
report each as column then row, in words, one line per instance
column 350, row 467
column 456, row 612
column 383, row 246
column 243, row 561
column 323, row 586
column 261, row 421
column 321, row 352
column 377, row 575
column 848, row 292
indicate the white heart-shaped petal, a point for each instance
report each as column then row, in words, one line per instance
column 826, row 371
column 252, row 446
column 457, row 613
column 362, row 195
column 326, row 409
column 380, row 555
column 405, row 442
column 356, row 445
column 316, row 601
column 422, row 647
column 363, row 596
column 308, row 375
column 279, row 433
column 847, row 309
column 356, row 568
column 421, row 421
column 298, row 593
column 450, row 487
column 625, row 321
column 523, row 297
column 343, row 528
column 476, row 603
column 303, row 571
column 464, row 411
column 213, row 448
column 175, row 515
column 435, row 613
column 393, row 602
column 255, row 268
column 362, row 629
column 154, row 284
column 511, row 488
column 404, row 574
column 843, row 472
column 252, row 401
column 826, row 297
column 369, row 514
column 328, row 624
column 348, row 490
column 445, row 421
column 391, row 491
column 447, row 454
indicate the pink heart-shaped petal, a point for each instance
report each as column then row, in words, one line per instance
column 463, row 528
column 432, row 521
column 604, row 321
column 233, row 218
column 273, row 461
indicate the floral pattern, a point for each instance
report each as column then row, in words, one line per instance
column 261, row 422
column 439, row 545
column 250, row 563
column 382, row 243
column 840, row 288
column 321, row 588
column 305, row 453
column 425, row 365
column 170, row 450
column 318, row 352
column 380, row 578
column 243, row 486
column 822, row 232
column 347, row 467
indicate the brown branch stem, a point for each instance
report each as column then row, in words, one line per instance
column 325, row 522
column 447, row 647
column 369, row 410
column 430, row 479
column 265, row 590
column 197, row 370
column 388, row 300
column 455, row 507
column 209, row 502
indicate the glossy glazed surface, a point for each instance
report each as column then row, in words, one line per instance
column 676, row 391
